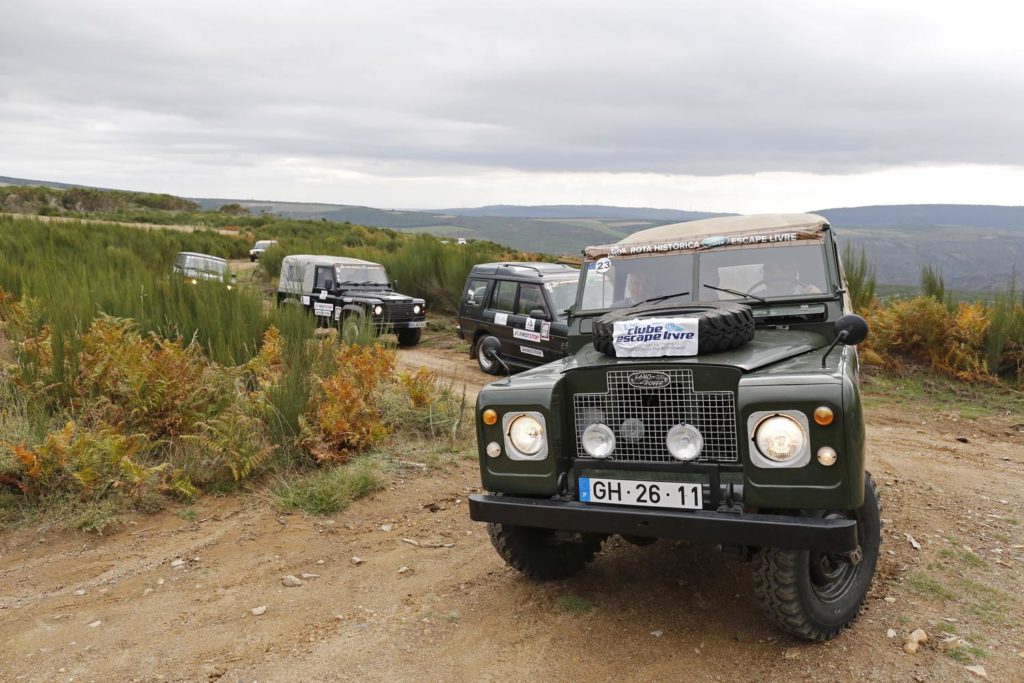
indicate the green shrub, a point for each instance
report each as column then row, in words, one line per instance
column 328, row 491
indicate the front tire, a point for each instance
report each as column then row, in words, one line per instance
column 409, row 337
column 540, row 554
column 816, row 595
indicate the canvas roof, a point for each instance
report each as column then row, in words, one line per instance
column 716, row 232
column 330, row 260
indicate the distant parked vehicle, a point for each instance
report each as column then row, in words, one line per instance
column 462, row 240
column 196, row 267
column 518, row 311
column 349, row 292
column 260, row 247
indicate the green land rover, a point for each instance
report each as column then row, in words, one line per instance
column 710, row 395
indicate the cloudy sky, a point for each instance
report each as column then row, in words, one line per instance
column 705, row 105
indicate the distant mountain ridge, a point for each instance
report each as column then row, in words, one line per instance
column 582, row 211
column 977, row 247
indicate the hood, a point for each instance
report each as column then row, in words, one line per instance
column 767, row 347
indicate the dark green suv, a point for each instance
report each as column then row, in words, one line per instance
column 711, row 395
column 514, row 314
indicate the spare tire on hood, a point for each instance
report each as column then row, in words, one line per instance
column 721, row 325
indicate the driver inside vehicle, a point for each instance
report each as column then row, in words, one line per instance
column 782, row 277
column 640, row 285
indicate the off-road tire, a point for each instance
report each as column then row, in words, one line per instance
column 539, row 554
column 721, row 326
column 491, row 367
column 410, row 337
column 784, row 586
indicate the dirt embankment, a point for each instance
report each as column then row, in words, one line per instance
column 168, row 599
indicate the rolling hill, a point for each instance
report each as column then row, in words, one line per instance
column 977, row 247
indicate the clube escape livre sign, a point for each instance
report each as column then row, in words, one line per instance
column 653, row 337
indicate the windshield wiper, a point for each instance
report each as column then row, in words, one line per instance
column 372, row 282
column 737, row 293
column 658, row 298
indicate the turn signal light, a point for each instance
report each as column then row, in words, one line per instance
column 490, row 416
column 823, row 415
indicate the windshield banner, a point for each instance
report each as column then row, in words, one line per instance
column 654, row 337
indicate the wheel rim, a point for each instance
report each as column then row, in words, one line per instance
column 832, row 574
column 481, row 355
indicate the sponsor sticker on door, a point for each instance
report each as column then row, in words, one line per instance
column 501, row 318
column 531, row 323
column 545, row 331
column 326, row 310
column 654, row 337
column 526, row 335
column 531, row 352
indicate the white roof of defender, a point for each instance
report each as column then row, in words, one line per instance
column 319, row 260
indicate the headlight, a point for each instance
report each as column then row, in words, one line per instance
column 526, row 434
column 416, row 309
column 684, row 442
column 378, row 310
column 598, row 440
column 780, row 438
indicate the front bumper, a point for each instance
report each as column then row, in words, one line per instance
column 703, row 526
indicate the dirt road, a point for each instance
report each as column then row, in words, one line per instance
column 167, row 599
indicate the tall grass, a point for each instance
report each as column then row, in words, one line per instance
column 860, row 277
column 76, row 271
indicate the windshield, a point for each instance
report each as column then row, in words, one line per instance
column 744, row 273
column 563, row 295
column 362, row 275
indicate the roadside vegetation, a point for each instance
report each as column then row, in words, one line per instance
column 123, row 387
column 970, row 341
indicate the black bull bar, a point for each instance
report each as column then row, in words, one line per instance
column 701, row 526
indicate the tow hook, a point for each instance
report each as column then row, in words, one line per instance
column 855, row 556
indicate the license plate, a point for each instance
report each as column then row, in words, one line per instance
column 680, row 495
column 418, row 323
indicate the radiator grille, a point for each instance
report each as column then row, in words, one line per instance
column 398, row 312
column 713, row 413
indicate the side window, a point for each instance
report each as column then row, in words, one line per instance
column 295, row 275
column 504, row 298
column 530, row 298
column 476, row 290
column 324, row 277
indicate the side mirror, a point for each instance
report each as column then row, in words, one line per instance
column 540, row 314
column 851, row 329
column 394, row 285
column 329, row 284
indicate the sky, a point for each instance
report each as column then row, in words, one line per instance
column 702, row 105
